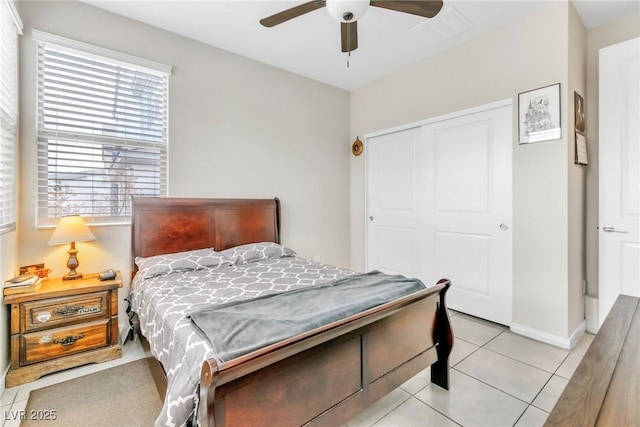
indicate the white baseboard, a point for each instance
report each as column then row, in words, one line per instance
column 555, row 340
column 3, row 379
column 591, row 312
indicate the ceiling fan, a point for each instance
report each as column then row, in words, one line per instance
column 347, row 12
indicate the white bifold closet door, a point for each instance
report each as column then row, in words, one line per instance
column 396, row 181
column 439, row 204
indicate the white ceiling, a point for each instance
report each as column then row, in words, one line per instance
column 310, row 45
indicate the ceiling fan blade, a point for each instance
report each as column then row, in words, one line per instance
column 349, row 36
column 293, row 12
column 426, row 8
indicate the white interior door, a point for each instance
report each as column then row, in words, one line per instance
column 470, row 212
column 395, row 224
column 619, row 176
column 439, row 205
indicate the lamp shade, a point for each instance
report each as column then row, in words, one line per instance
column 69, row 229
column 347, row 10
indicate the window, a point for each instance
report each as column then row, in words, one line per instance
column 10, row 28
column 102, row 131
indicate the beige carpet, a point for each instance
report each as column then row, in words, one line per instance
column 121, row 396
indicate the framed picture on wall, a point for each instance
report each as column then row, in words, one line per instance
column 578, row 106
column 539, row 115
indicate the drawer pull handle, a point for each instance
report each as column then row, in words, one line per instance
column 68, row 311
column 68, row 340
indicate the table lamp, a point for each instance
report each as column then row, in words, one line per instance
column 71, row 229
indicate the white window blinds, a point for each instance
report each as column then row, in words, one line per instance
column 10, row 27
column 102, row 134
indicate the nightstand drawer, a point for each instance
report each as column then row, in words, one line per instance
column 53, row 343
column 50, row 313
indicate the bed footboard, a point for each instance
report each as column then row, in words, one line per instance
column 328, row 375
column 443, row 336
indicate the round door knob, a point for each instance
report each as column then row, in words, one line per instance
column 504, row 227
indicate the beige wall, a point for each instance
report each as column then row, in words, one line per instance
column 597, row 38
column 522, row 56
column 577, row 190
column 237, row 128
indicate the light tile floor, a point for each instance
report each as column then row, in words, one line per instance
column 497, row 379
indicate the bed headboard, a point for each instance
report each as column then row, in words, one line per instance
column 167, row 225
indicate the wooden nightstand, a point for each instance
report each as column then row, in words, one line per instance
column 62, row 325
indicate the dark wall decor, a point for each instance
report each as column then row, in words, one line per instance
column 579, row 124
column 357, row 147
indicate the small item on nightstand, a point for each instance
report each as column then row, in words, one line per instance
column 107, row 275
column 43, row 272
column 29, row 285
column 20, row 279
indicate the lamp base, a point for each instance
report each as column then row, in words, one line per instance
column 72, row 264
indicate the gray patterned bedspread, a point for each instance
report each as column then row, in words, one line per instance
column 168, row 288
column 238, row 328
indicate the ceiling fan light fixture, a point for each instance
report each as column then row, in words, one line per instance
column 347, row 10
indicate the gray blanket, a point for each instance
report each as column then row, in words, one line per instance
column 241, row 327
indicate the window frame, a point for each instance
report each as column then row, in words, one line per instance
column 43, row 218
column 10, row 116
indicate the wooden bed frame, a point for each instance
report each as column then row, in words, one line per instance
column 323, row 377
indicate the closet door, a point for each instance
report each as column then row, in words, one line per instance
column 439, row 205
column 469, row 213
column 395, row 204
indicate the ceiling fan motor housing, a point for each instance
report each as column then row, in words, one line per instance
column 347, row 10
